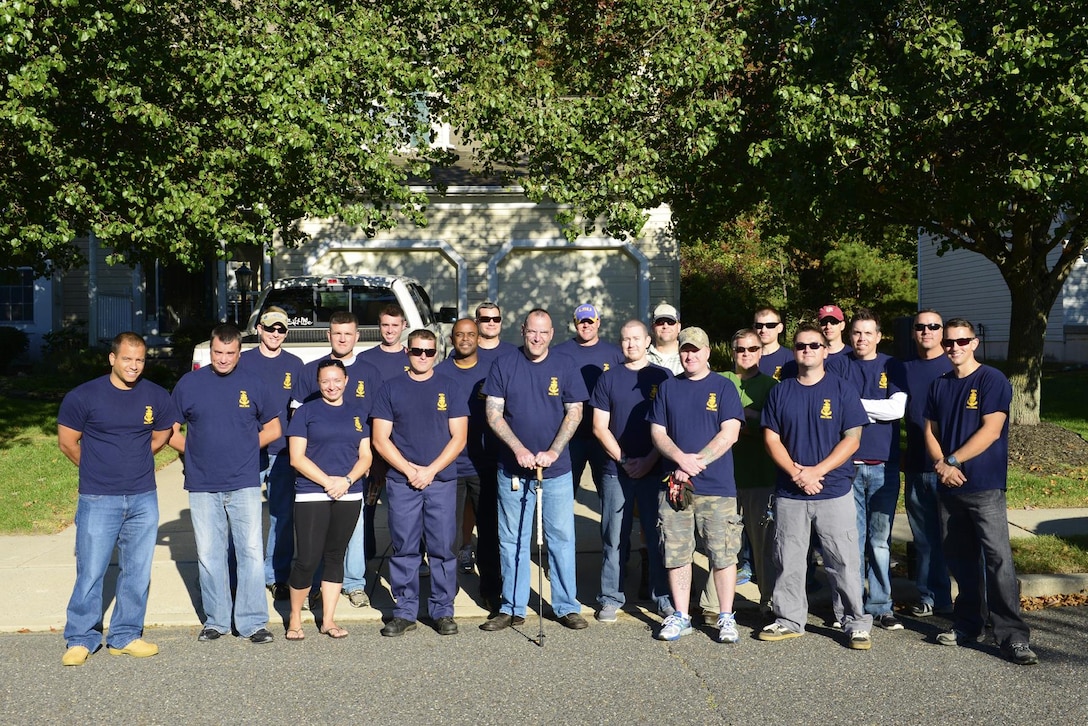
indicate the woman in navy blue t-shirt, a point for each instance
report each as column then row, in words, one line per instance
column 329, row 441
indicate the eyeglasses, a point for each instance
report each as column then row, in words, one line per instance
column 489, row 319
column 664, row 321
column 919, row 327
column 429, row 352
column 749, row 349
column 810, row 346
column 761, row 326
column 831, row 321
column 961, row 342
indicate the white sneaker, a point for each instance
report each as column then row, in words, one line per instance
column 860, row 640
column 675, row 627
column 727, row 628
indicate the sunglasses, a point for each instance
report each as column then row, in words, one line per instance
column 761, row 326
column 664, row 321
column 810, row 346
column 831, row 321
column 489, row 319
column 961, row 342
column 276, row 329
column 749, row 349
column 429, row 352
column 919, row 327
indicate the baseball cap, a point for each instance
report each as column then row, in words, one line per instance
column 273, row 315
column 693, row 336
column 830, row 311
column 586, row 311
column 666, row 311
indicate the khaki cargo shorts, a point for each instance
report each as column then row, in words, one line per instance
column 715, row 518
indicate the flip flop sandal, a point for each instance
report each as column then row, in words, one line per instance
column 301, row 635
column 336, row 633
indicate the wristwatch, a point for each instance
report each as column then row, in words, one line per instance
column 952, row 461
column 350, row 482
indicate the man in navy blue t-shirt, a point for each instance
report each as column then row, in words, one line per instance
column 593, row 357
column 419, row 426
column 230, row 417
column 812, row 426
column 279, row 370
column 111, row 428
column 534, row 405
column 967, row 435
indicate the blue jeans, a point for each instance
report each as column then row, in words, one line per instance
column 355, row 558
column 130, row 521
column 876, row 489
column 516, row 520
column 976, row 538
column 234, row 516
column 618, row 497
column 586, row 450
column 279, row 550
column 923, row 513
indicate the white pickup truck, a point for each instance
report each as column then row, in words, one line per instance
column 309, row 301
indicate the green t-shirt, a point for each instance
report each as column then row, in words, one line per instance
column 752, row 465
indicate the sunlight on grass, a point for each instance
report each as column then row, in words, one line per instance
column 1051, row 555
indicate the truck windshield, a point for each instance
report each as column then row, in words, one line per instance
column 309, row 306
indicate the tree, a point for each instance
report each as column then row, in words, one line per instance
column 965, row 120
column 177, row 129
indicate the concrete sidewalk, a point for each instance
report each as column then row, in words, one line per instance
column 38, row 571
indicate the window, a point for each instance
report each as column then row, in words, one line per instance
column 16, row 296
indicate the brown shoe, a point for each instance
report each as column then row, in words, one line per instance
column 574, row 621
column 502, row 621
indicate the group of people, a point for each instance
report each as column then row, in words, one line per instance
column 756, row 459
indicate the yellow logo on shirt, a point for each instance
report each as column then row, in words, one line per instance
column 777, row 373
column 553, row 387
column 287, row 381
column 883, row 380
column 442, row 402
column 243, row 399
column 149, row 415
column 653, row 391
column 712, row 402
column 360, row 390
column 972, row 400
column 825, row 410
column 607, row 366
column 358, row 424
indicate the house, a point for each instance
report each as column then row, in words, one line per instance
column 484, row 241
column 965, row 284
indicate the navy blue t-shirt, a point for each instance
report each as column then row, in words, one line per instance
column 279, row 374
column 115, row 451
column 480, row 448
column 487, row 356
column 627, row 395
column 535, row 395
column 771, row 364
column 920, row 373
column 957, row 405
column 811, row 420
column 692, row 413
column 878, row 379
column 332, row 434
column 224, row 414
column 592, row 361
column 364, row 380
column 388, row 365
column 420, row 412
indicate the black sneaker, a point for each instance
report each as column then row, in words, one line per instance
column 398, row 626
column 207, row 634
column 262, row 636
column 922, row 610
column 888, row 621
column 1019, row 653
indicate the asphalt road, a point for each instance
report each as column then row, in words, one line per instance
column 606, row 674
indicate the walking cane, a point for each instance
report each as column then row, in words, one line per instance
column 540, row 555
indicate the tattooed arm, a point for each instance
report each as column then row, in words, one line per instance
column 572, row 416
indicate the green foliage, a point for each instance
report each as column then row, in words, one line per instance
column 178, row 129
column 13, row 343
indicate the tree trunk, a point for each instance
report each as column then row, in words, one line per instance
column 1032, row 292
